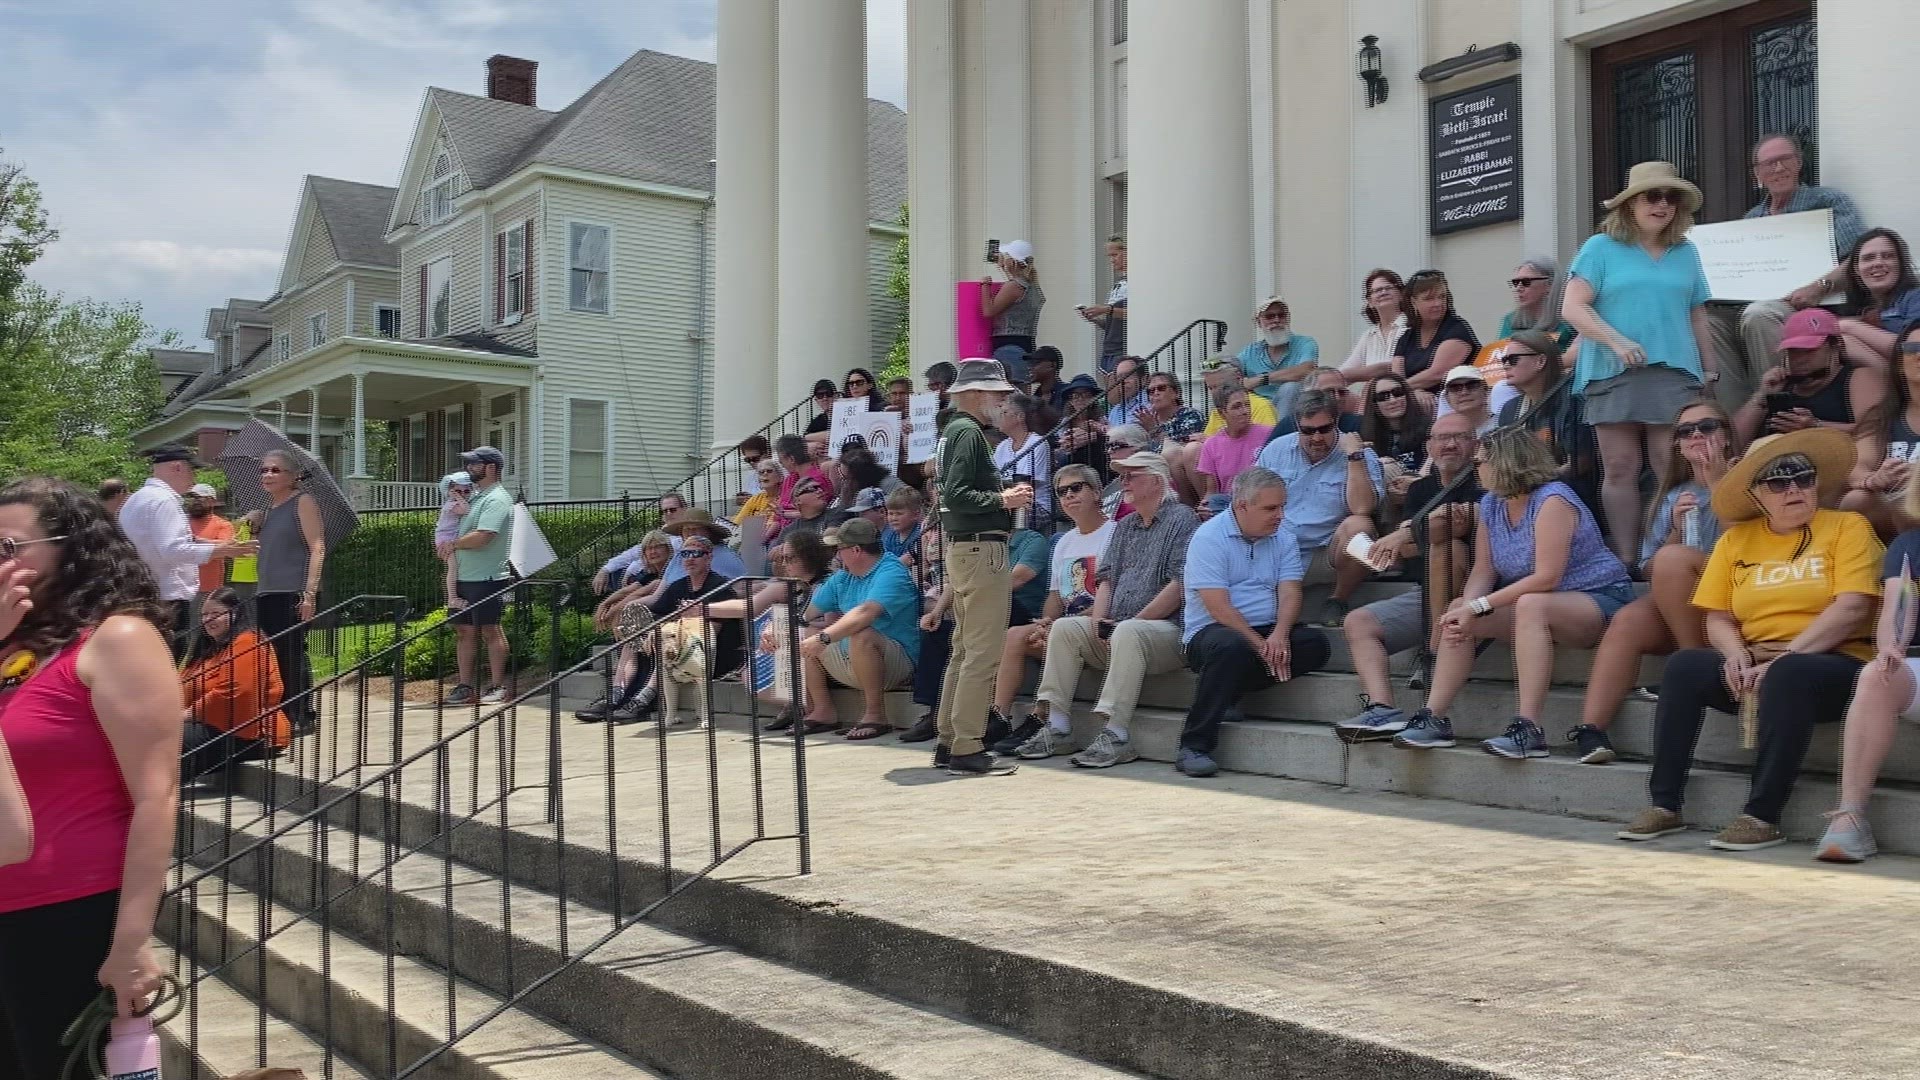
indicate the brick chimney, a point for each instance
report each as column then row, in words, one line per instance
column 509, row 78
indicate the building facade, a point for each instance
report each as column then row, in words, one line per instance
column 1235, row 146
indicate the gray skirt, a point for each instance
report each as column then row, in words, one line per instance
column 1653, row 394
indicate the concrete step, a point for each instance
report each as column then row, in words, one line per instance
column 333, row 986
column 224, row 1029
column 689, row 1008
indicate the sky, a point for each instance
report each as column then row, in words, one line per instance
column 169, row 139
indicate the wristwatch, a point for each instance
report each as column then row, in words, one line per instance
column 825, row 638
column 1357, row 455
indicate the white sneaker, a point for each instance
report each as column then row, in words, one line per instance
column 493, row 696
column 1044, row 744
column 1104, row 752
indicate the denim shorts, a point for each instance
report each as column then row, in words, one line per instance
column 1612, row 598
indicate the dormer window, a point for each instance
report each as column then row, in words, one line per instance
column 437, row 196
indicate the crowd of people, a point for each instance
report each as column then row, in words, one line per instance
column 1101, row 520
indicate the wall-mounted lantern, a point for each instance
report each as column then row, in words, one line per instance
column 1367, row 65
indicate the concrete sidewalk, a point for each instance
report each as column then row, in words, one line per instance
column 1524, row 944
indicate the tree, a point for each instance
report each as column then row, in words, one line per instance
column 76, row 379
column 898, row 362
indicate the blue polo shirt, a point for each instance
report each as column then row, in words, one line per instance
column 889, row 585
column 1255, row 361
column 1249, row 568
column 1316, row 494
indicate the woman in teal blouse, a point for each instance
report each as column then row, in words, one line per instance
column 1637, row 295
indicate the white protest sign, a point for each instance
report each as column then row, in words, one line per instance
column 922, row 435
column 847, row 414
column 881, row 430
column 1765, row 258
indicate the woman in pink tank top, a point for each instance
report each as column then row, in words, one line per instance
column 85, row 685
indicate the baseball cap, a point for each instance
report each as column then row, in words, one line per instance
column 1808, row 328
column 1223, row 360
column 484, row 455
column 853, row 532
column 1464, row 373
column 1145, row 461
column 1263, row 305
column 204, row 491
column 869, row 499
column 174, row 452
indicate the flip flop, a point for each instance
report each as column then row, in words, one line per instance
column 784, row 721
column 821, row 727
column 868, row 731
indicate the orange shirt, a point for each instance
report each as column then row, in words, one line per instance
column 234, row 686
column 212, row 529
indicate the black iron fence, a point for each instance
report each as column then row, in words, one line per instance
column 358, row 836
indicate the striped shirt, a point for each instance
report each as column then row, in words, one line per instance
column 1141, row 558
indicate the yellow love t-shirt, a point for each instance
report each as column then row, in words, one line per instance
column 1775, row 584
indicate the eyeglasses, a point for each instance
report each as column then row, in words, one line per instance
column 1117, row 447
column 1323, row 429
column 1780, row 162
column 10, row 548
column 1663, row 195
column 1074, row 488
column 1779, row 485
column 807, row 489
column 1523, row 282
column 1452, row 436
column 695, row 553
column 1390, row 393
column 1708, row 426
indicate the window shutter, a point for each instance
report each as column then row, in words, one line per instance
column 423, row 301
column 499, row 277
column 526, row 278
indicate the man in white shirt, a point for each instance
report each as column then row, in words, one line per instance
column 155, row 522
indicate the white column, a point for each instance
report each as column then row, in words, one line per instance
column 1264, row 192
column 745, row 226
column 824, row 323
column 933, row 179
column 1553, row 129
column 282, row 425
column 313, row 423
column 1856, row 155
column 1189, row 228
column 359, row 425
column 1007, row 115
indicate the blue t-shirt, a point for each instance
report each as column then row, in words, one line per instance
column 889, row 585
column 895, row 544
column 1254, row 360
column 1028, row 548
column 1251, row 570
column 1650, row 301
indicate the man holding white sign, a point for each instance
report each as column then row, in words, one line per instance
column 1746, row 329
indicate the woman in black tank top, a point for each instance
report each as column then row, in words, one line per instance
column 1889, row 442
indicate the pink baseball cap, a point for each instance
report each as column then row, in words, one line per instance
column 1808, row 329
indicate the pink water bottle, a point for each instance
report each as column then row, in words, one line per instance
column 133, row 1050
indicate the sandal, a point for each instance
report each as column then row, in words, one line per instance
column 784, row 721
column 868, row 731
column 821, row 727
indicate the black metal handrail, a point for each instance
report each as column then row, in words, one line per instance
column 318, row 891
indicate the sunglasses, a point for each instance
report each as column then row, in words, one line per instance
column 1910, row 348
column 1510, row 357
column 858, row 382
column 1809, row 377
column 1389, row 395
column 1708, row 426
column 1074, row 488
column 1117, row 447
column 1463, row 385
column 1323, row 429
column 1523, row 282
column 1780, row 485
column 1664, row 195
column 695, row 553
column 10, row 548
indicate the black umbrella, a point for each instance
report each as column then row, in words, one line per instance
column 241, row 462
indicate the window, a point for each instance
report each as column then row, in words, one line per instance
column 387, row 317
column 437, row 196
column 417, row 464
column 587, row 437
column 503, row 429
column 283, row 347
column 588, row 263
column 454, row 427
column 439, row 296
column 316, row 330
column 510, row 264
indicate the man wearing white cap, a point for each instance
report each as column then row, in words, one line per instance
column 1014, row 308
column 1275, row 364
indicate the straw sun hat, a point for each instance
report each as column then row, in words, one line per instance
column 1831, row 453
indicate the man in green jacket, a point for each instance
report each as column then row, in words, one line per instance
column 975, row 514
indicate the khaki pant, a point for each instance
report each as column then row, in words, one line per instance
column 1140, row 647
column 1746, row 341
column 981, row 582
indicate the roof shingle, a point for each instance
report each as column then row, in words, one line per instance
column 356, row 216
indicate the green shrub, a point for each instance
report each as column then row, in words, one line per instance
column 430, row 652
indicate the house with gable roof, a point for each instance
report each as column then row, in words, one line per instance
column 540, row 281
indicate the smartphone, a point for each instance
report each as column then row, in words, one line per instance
column 1779, row 403
column 1106, row 629
column 993, row 251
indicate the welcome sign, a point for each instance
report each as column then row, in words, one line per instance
column 1473, row 157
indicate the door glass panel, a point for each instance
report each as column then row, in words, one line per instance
column 1785, row 89
column 1658, row 115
